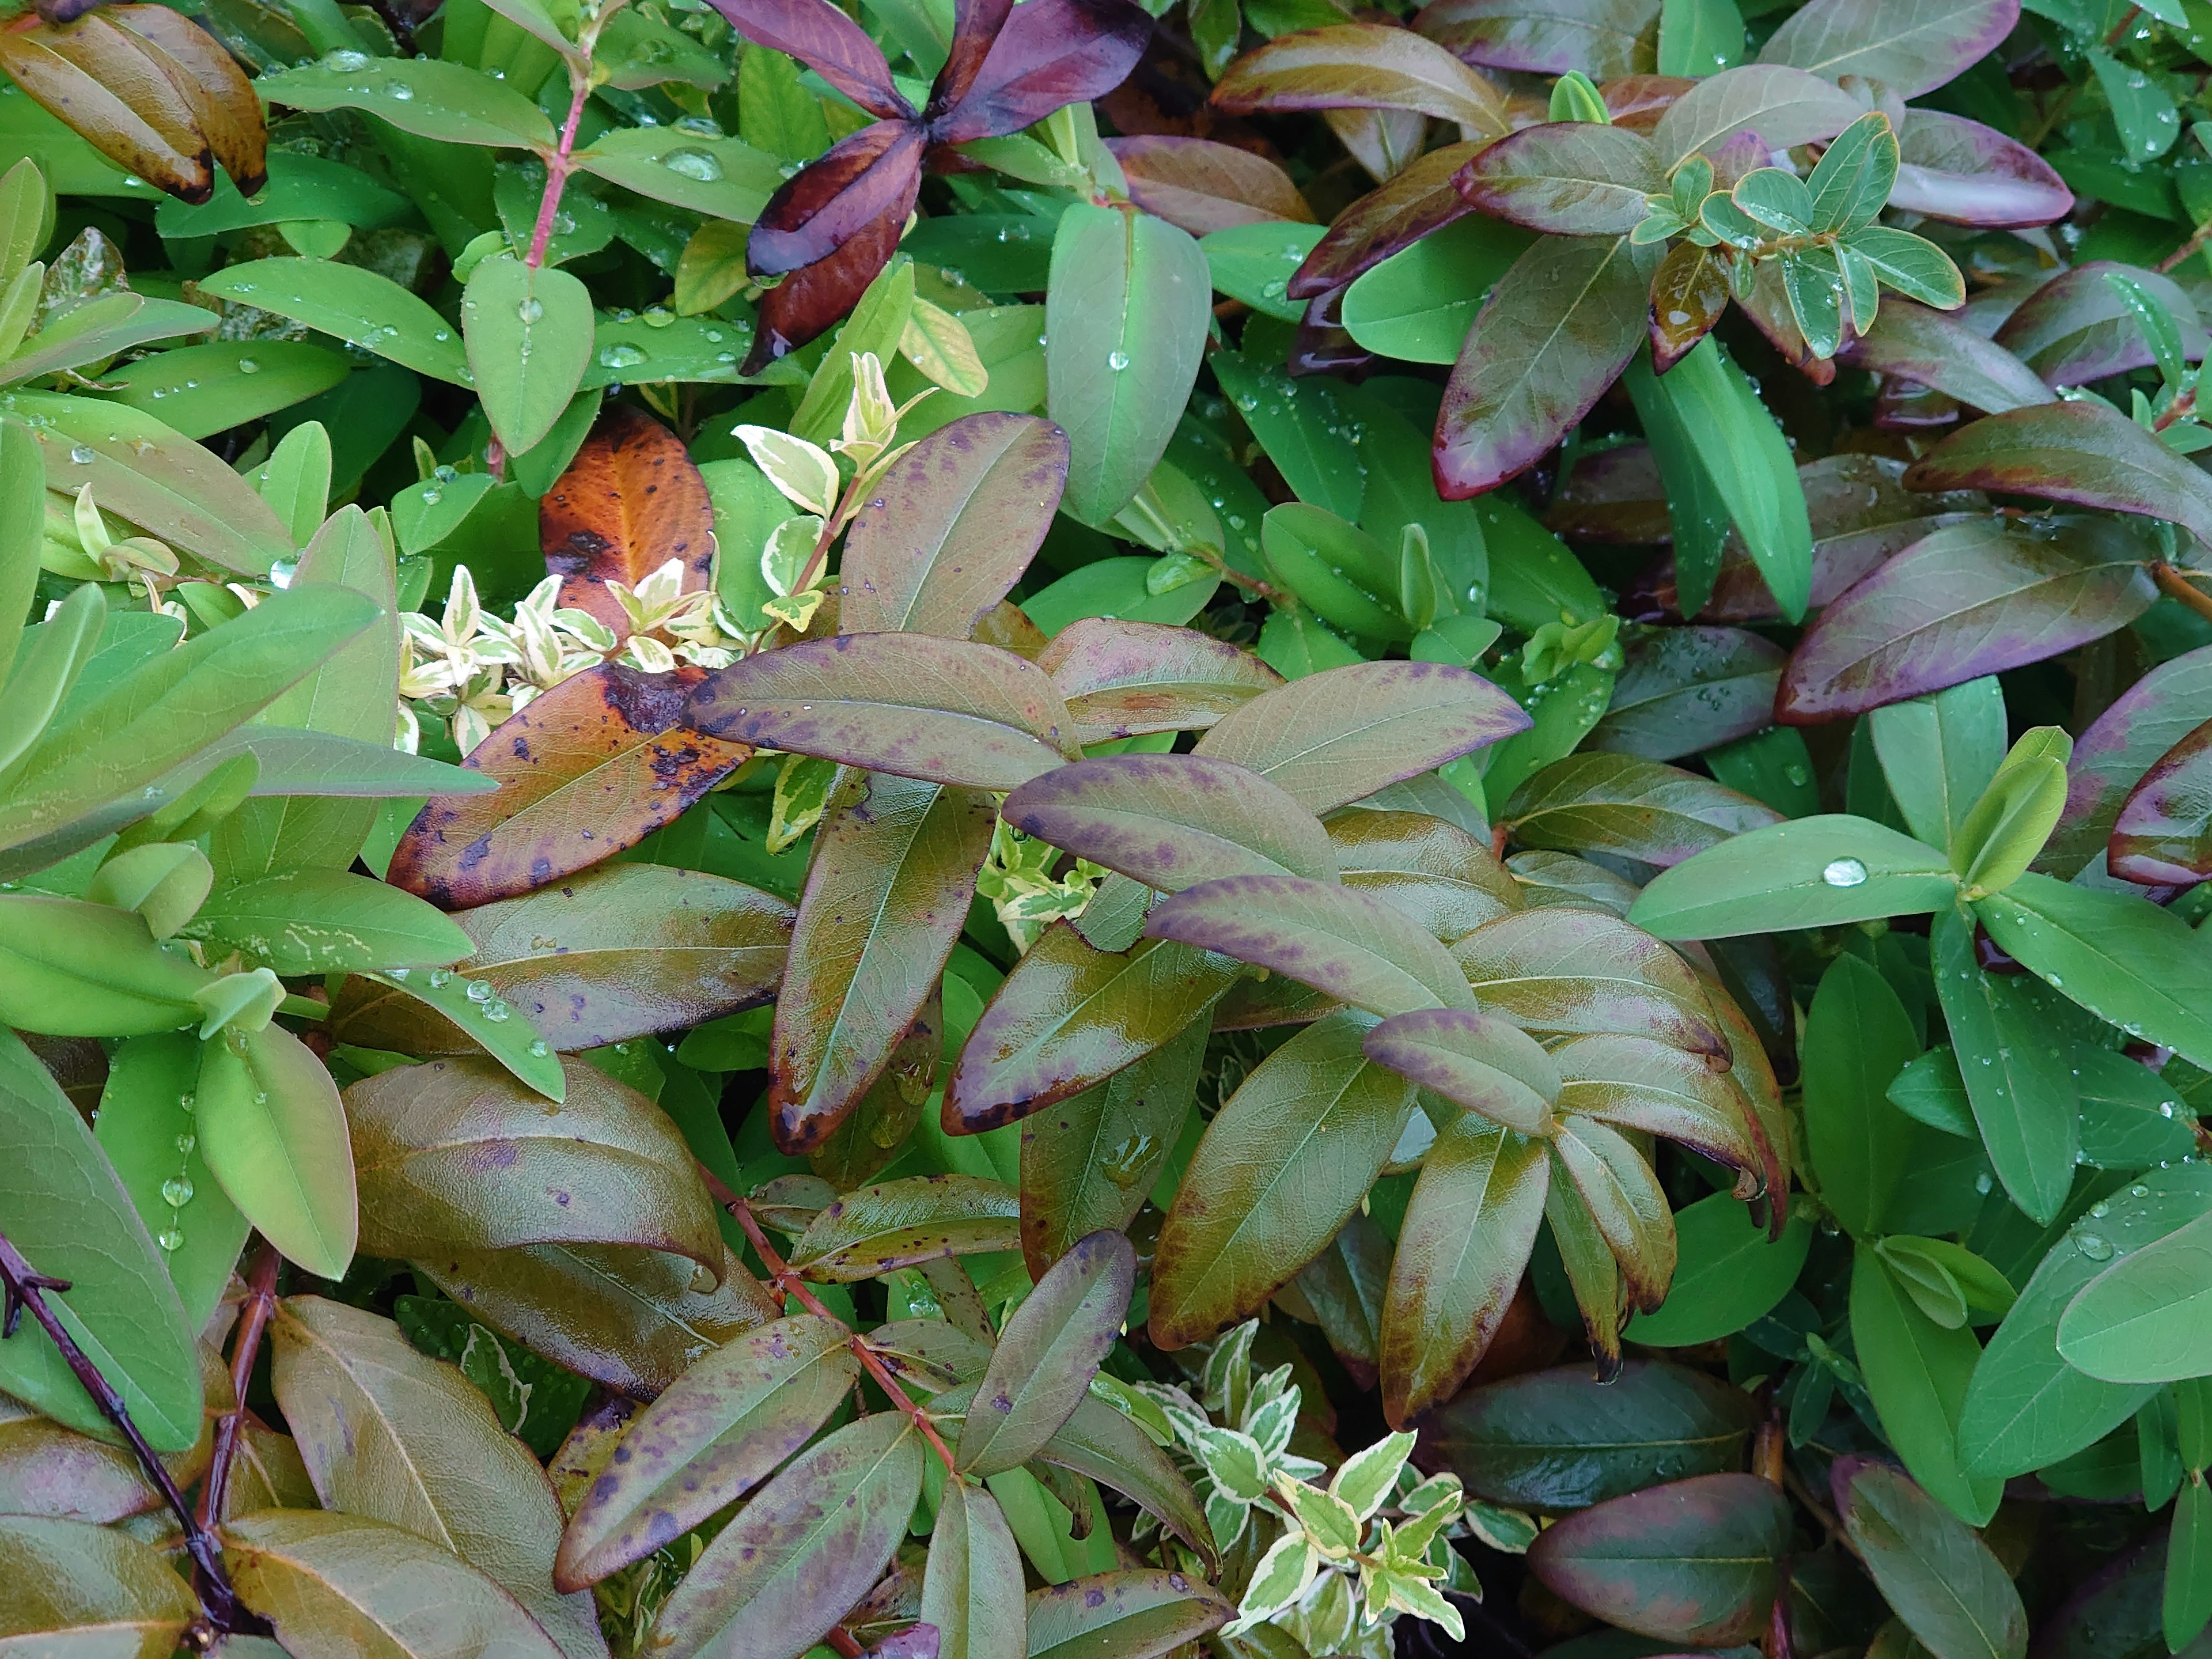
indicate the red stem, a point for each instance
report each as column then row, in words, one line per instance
column 221, row 1612
column 556, row 173
column 253, row 1320
column 793, row 1288
column 840, row 1642
column 2175, row 586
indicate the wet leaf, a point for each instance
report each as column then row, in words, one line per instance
column 1047, row 1353
column 1912, row 47
column 1728, row 1272
column 1686, row 689
column 1601, row 37
column 1203, row 186
column 1917, row 1373
column 76, row 1587
column 2164, row 830
column 1951, row 1592
column 273, row 1132
column 1123, row 679
column 1807, row 872
column 898, row 1224
column 1120, row 1615
column 528, row 330
column 630, row 501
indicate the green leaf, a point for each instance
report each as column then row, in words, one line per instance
column 722, row 178
column 971, row 1590
column 1950, row 1590
column 1939, row 752
column 2131, row 963
column 1047, row 1355
column 898, row 1224
column 488, row 1020
column 1857, row 1039
column 724, row 1427
column 1256, row 262
column 1810, row 872
column 1337, row 568
column 2018, row 1073
column 21, row 529
column 1137, row 1614
column 1728, row 1272
column 62, row 1207
column 1419, row 304
column 809, row 1545
column 449, row 103
column 2188, row 1599
column 353, row 302
column 1287, row 1160
column 1694, row 1563
column 74, row 1587
column 274, row 1132
column 2003, row 831
column 71, row 968
column 392, row 1434
column 1302, row 424
column 2142, row 1320
column 1125, row 318
column 1912, row 264
column 528, row 332
column 314, row 921
column 1917, row 1373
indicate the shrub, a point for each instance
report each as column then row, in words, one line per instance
column 899, row 831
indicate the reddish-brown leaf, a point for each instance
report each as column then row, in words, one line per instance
column 212, row 85
column 810, row 300
column 837, row 197
column 1688, row 295
column 1383, row 221
column 1205, row 186
column 1050, row 54
column 589, row 767
column 630, row 501
column 93, row 78
column 827, row 41
column 2163, row 832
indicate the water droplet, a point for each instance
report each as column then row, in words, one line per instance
column 479, row 990
column 496, row 1012
column 432, row 497
column 1117, row 361
column 185, row 1143
column 186, row 1102
column 658, row 317
column 1844, row 872
column 83, row 455
column 1983, row 1183
column 400, row 92
column 2166, row 1108
column 2099, row 1210
column 2095, row 1246
column 2138, row 1191
column 530, row 311
column 346, row 63
column 247, row 366
column 693, row 164
column 172, row 1240
column 1126, row 1163
column 177, row 1192
column 538, row 1050
column 260, row 1096
column 439, row 978
column 622, row 355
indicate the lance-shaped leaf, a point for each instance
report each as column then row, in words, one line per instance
column 1089, row 1163
column 1570, row 178
column 1953, row 1593
column 1729, row 1273
column 724, row 1427
column 894, row 871
column 1360, row 66
column 1286, row 1161
column 1069, row 52
column 1047, row 1355
column 2147, row 719
column 1071, row 1016
column 456, row 1154
column 1173, row 821
column 1136, row 1614
column 1694, row 1563
column 863, row 196
column 944, row 710
column 1929, row 348
column 1433, row 869
column 1912, row 46
column 630, row 502
column 1461, row 1249
column 344, row 1584
column 1599, row 37
column 2132, row 964
column 828, row 42
column 1555, row 332
column 1337, row 939
column 454, row 1019
column 1858, row 1037
column 1475, row 1059
column 1970, row 600
column 2144, row 1319
column 77, row 1587
column 779, row 1576
column 1556, row 1441
column 1203, row 186
column 1785, row 107
column 528, row 329
column 1635, row 1082
column 951, row 526
column 1915, row 1373
column 971, row 1588
column 1340, row 735
column 2077, row 328
column 2163, row 834
column 2017, row 1073
column 1809, row 873
column 902, row 1224
column 1557, row 970
column 620, row 952
column 315, row 921
column 1123, row 679
column 1423, row 197
column 2085, row 452
column 1629, row 807
column 1686, row 689
column 62, row 1206
column 1624, row 1202
column 1959, row 170
column 586, row 770
column 1107, row 1445
column 630, row 1318
column 394, row 1436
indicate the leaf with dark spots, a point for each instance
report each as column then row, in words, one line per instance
column 1172, row 821
column 2085, row 452
column 1124, row 679
column 826, row 40
column 1971, row 599
column 902, row 1224
column 951, row 527
column 456, row 1154
column 1050, row 1349
column 893, row 873
column 1049, row 53
column 1695, row 1563
column 1420, row 199
column 2163, row 836
column 630, row 502
column 780, row 1575
column 1107, row 1445
column 724, row 1426
column 585, row 770
column 812, row 298
column 947, row 711
column 864, row 178
column 1131, row 1616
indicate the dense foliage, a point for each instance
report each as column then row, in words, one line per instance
column 903, row 831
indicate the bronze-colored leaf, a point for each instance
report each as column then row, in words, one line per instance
column 1688, row 294
column 1123, row 679
column 154, row 141
column 630, row 501
column 212, row 85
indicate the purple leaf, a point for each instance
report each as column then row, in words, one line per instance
column 2075, row 328
column 1959, row 170
column 1784, row 107
column 1384, row 221
column 2163, row 836
column 975, row 25
column 1202, row 186
column 1050, row 54
column 2152, row 715
column 862, row 177
column 1599, row 37
column 1973, row 599
column 826, row 40
column 1934, row 348
column 1573, row 178
column 1910, row 46
column 810, row 300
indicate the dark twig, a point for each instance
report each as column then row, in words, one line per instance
column 253, row 1320
column 221, row 1613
